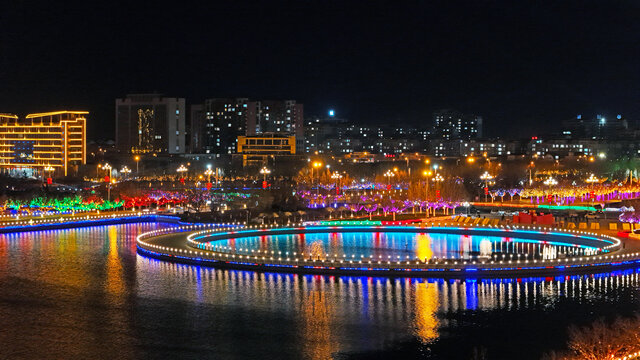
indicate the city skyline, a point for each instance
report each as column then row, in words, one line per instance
column 523, row 68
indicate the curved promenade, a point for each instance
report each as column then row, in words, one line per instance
column 192, row 245
column 82, row 220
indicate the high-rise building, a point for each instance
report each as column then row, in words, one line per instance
column 219, row 122
column 598, row 127
column 452, row 125
column 151, row 123
column 52, row 142
column 284, row 117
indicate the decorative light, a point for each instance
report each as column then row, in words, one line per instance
column 551, row 181
column 592, row 179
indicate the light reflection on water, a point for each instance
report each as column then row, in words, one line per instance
column 374, row 245
column 85, row 293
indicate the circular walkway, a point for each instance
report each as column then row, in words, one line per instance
column 188, row 244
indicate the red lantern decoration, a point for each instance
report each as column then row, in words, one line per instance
column 486, row 191
column 264, row 184
column 592, row 195
column 182, row 181
column 107, row 179
column 438, row 194
column 49, row 181
column 549, row 198
column 209, row 186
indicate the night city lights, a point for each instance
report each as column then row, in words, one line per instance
column 320, row 180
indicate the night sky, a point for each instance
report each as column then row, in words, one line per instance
column 523, row 65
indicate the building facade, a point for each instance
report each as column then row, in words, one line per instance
column 454, row 125
column 44, row 141
column 257, row 149
column 218, row 122
column 148, row 123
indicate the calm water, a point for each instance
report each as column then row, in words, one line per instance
column 380, row 245
column 86, row 294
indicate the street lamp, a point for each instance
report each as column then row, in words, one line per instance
column 137, row 159
column 208, row 172
column 108, row 168
column 336, row 177
column 592, row 179
column 389, row 174
column 47, row 169
column 181, row 170
column 551, row 181
column 125, row 170
column 486, row 177
column 426, row 174
column 316, row 165
column 264, row 171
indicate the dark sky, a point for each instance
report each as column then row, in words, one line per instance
column 523, row 65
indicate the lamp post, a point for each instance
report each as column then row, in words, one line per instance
column 47, row 169
column 437, row 178
column 98, row 172
column 137, row 159
column 264, row 171
column 389, row 174
column 208, row 172
column 408, row 168
column 336, row 177
column 426, row 174
column 531, row 166
column 486, row 177
column 316, row 165
column 181, row 170
column 108, row 168
column 125, row 170
column 550, row 182
column 591, row 181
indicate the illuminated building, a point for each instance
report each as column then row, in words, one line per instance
column 257, row 149
column 452, row 125
column 278, row 116
column 151, row 123
column 53, row 139
column 218, row 122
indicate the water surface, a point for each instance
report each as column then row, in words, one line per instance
column 86, row 294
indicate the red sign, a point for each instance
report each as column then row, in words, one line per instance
column 486, row 191
column 264, row 184
column 438, row 194
column 107, row 179
column 209, row 186
column 49, row 181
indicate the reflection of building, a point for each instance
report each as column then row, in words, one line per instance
column 53, row 139
column 258, row 148
column 150, row 123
